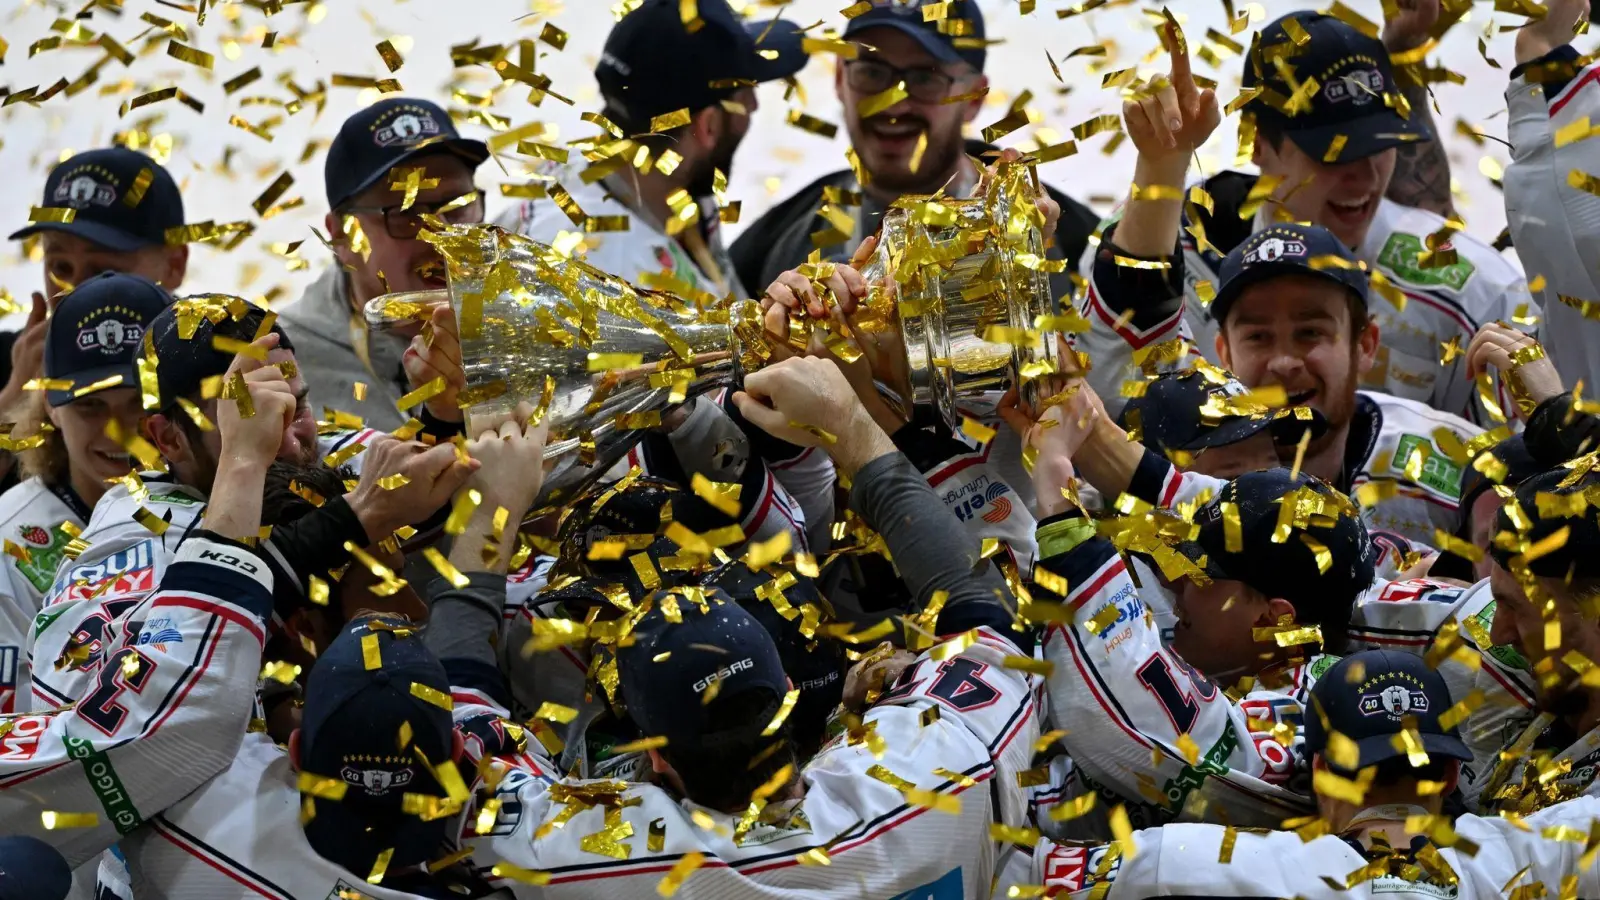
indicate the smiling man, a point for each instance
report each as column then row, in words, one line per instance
column 940, row 63
column 392, row 163
column 1333, row 134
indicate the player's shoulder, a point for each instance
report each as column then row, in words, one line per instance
column 24, row 498
column 1402, row 414
column 1398, row 239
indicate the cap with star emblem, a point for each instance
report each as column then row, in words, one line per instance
column 96, row 333
column 1288, row 249
column 1329, row 88
column 121, row 200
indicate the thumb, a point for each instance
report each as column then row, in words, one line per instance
column 864, row 252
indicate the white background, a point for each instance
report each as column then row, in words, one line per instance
column 223, row 168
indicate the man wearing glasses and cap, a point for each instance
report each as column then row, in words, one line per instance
column 660, row 222
column 940, row 62
column 391, row 164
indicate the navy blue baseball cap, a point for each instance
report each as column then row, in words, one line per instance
column 1354, row 111
column 30, row 869
column 668, row 671
column 1369, row 697
column 183, row 333
column 1516, row 533
column 1198, row 409
column 957, row 37
column 97, row 332
column 652, row 64
column 390, row 132
column 815, row 664
column 1288, row 249
column 122, row 200
column 375, row 684
column 1282, row 563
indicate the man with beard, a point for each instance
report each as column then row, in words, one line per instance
column 392, row 164
column 913, row 147
column 1329, row 160
column 655, row 222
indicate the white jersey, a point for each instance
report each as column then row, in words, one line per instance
column 166, row 714
column 31, row 520
column 239, row 838
column 123, row 562
column 959, row 727
column 1442, row 304
column 1187, row 860
column 640, row 253
column 1555, row 225
column 1247, row 754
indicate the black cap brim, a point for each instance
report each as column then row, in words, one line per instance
column 472, row 151
column 1380, row 748
column 1260, row 272
column 130, row 378
column 785, row 38
column 925, row 37
column 1364, row 137
column 1231, row 430
column 98, row 233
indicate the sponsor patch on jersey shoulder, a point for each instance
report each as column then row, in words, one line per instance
column 1394, row 884
column 1322, row 664
column 44, row 550
column 1402, row 255
column 1073, row 867
column 1437, row 473
column 175, row 498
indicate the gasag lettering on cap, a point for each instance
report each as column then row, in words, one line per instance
column 724, row 673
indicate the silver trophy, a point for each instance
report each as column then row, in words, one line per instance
column 601, row 358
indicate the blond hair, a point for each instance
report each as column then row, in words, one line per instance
column 48, row 461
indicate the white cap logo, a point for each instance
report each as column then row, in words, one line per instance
column 406, row 129
column 109, row 336
column 1273, row 249
column 1396, row 700
column 82, row 192
column 1360, row 87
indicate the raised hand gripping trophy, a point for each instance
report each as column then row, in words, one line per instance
column 601, row 358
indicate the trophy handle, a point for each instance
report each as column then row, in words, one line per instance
column 391, row 311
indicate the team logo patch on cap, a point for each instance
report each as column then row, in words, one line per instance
column 83, row 191
column 109, row 336
column 1275, row 248
column 409, row 126
column 1402, row 696
column 1360, row 86
column 376, row 782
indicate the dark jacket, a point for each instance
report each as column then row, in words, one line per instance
column 781, row 239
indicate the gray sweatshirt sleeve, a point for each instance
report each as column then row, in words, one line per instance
column 465, row 622
column 931, row 548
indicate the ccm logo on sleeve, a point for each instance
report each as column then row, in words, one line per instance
column 228, row 559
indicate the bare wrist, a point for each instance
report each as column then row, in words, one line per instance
column 861, row 443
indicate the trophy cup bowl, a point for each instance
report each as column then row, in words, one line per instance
column 596, row 356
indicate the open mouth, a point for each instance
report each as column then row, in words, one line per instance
column 431, row 273
column 1354, row 211
column 1301, row 398
column 123, row 460
column 894, row 131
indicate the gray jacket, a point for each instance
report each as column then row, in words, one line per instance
column 321, row 326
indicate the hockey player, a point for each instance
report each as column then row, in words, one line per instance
column 168, row 709
column 932, row 765
column 1326, row 159
column 1555, row 220
column 139, row 524
column 1293, row 308
column 90, row 348
column 1379, row 736
column 366, row 794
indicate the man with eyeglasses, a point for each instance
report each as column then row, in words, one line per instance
column 940, row 65
column 391, row 164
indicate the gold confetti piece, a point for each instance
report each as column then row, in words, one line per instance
column 955, row 777
column 639, row 746
column 319, row 590
column 151, row 522
column 784, row 709
column 685, row 866
column 668, row 121
column 430, row 695
column 1335, row 147
column 391, row 57
column 859, row 8
column 517, row 873
column 1008, row 834
column 760, row 554
column 877, row 103
column 553, row 36
column 422, row 394
column 915, row 162
column 58, row 214
column 190, row 55
column 318, row 786
column 934, row 800
column 380, row 866
column 53, row 820
column 555, row 712
column 1040, row 667
column 241, row 80
column 371, row 656
column 443, row 566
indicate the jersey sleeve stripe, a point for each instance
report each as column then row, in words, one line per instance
column 224, row 864
column 1591, row 75
column 211, row 606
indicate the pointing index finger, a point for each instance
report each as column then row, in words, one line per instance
column 1178, row 47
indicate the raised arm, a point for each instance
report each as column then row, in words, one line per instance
column 1421, row 168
